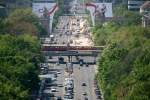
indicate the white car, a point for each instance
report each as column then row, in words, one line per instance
column 58, row 72
column 53, row 90
column 78, row 31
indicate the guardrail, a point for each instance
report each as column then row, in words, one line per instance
column 71, row 53
column 71, row 48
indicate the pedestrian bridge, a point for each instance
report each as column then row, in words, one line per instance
column 71, row 48
column 49, row 50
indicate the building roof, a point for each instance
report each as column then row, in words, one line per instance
column 146, row 5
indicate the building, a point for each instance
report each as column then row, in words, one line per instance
column 43, row 1
column 134, row 5
column 45, row 10
column 113, row 1
column 145, row 11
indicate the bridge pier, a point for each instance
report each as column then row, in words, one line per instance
column 69, row 58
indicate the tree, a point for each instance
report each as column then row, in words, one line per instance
column 123, row 69
column 23, row 21
column 19, row 58
column 124, row 65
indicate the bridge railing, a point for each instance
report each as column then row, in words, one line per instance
column 71, row 48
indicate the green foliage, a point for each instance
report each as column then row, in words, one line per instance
column 124, row 65
column 22, row 21
column 124, row 17
column 19, row 56
column 102, row 32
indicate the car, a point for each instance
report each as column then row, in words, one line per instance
column 87, row 65
column 52, row 84
column 50, row 57
column 81, row 62
column 60, row 85
column 63, row 42
column 99, row 97
column 65, row 97
column 83, row 84
column 51, row 95
column 69, row 88
column 69, row 91
column 85, row 98
column 60, row 59
column 73, row 23
column 58, row 98
column 97, row 92
column 84, row 93
column 68, row 96
column 71, row 41
column 78, row 30
column 69, row 79
column 57, row 63
column 58, row 72
column 53, row 90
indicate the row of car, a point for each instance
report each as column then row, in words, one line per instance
column 48, row 85
column 97, row 91
column 69, row 88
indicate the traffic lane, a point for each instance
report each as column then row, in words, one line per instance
column 85, row 59
column 77, row 83
column 84, row 75
column 60, row 79
column 89, row 74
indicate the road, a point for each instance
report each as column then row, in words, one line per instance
column 84, row 75
column 73, row 30
column 80, row 75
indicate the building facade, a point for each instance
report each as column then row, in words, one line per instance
column 134, row 5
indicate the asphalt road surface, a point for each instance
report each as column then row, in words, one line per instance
column 75, row 29
column 80, row 75
column 84, row 75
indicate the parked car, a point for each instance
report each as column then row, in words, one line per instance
column 60, row 85
column 58, row 98
column 85, row 98
column 58, row 72
column 53, row 90
column 68, row 96
column 99, row 97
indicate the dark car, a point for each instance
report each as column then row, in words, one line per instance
column 99, row 97
column 83, row 84
column 97, row 92
column 81, row 62
column 87, row 65
column 61, row 59
column 85, row 98
column 60, row 85
column 59, row 98
column 84, row 93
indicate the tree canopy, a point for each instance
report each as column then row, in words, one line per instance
column 22, row 21
column 124, row 65
column 19, row 58
column 19, row 55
